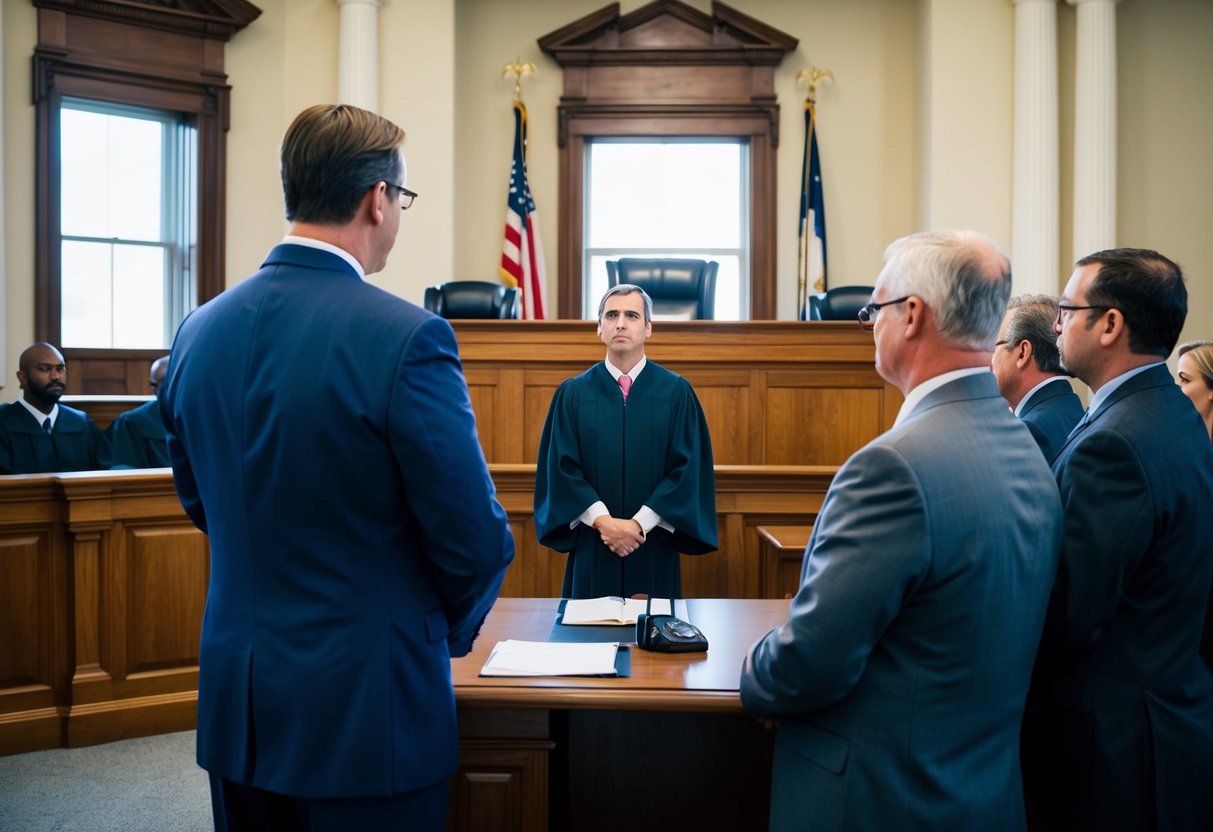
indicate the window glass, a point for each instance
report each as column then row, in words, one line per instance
column 126, row 225
column 668, row 198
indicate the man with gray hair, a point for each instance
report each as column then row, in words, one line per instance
column 1029, row 372
column 898, row 682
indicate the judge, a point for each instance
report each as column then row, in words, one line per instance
column 40, row 436
column 137, row 437
column 625, row 480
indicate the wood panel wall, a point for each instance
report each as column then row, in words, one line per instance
column 774, row 392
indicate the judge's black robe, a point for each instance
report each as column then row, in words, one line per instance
column 654, row 450
column 137, row 438
column 76, row 444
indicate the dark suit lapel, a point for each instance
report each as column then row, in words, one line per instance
column 1145, row 380
column 1154, row 377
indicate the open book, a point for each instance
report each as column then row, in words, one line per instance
column 610, row 610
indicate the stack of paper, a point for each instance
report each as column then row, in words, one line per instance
column 543, row 658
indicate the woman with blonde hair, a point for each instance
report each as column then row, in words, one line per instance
column 1196, row 378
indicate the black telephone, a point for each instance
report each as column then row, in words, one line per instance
column 667, row 634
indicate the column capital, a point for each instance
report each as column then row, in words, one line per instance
column 378, row 4
column 1085, row 2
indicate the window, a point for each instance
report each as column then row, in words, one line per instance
column 667, row 72
column 131, row 110
column 127, row 225
column 669, row 197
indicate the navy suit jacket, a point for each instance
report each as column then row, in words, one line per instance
column 1119, row 732
column 322, row 435
column 1050, row 414
column 899, row 680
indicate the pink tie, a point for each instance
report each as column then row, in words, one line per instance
column 625, row 384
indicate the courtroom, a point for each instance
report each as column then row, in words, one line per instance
column 599, row 415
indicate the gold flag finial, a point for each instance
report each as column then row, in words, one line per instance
column 518, row 69
column 814, row 76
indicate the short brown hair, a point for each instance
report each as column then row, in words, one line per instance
column 331, row 155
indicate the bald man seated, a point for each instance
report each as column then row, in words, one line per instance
column 40, row 436
column 137, row 437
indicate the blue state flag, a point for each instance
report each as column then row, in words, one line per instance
column 811, row 258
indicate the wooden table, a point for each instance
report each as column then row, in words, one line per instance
column 669, row 745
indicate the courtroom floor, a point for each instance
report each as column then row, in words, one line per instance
column 151, row 784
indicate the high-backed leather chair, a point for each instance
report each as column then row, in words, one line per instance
column 842, row 303
column 681, row 289
column 472, row 299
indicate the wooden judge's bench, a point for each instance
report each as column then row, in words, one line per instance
column 103, row 579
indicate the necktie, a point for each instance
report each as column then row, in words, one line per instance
column 625, row 384
column 46, row 426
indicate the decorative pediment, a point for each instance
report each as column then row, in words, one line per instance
column 667, row 32
column 214, row 19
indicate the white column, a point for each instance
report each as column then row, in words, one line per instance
column 4, row 368
column 1035, row 235
column 1094, row 126
column 358, row 55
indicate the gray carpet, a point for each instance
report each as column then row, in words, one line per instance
column 150, row 784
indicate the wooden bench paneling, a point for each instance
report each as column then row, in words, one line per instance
column 103, row 581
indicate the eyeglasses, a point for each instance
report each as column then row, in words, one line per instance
column 1001, row 343
column 406, row 196
column 867, row 314
column 1063, row 308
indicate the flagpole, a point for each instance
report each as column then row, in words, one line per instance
column 813, row 76
column 522, row 264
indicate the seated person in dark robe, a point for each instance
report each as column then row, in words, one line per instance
column 40, row 436
column 137, row 437
column 625, row 479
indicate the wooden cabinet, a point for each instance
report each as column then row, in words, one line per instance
column 781, row 554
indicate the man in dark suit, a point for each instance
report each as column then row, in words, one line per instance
column 40, row 436
column 1028, row 368
column 898, row 682
column 322, row 435
column 137, row 437
column 1119, row 730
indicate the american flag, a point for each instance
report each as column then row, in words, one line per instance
column 522, row 253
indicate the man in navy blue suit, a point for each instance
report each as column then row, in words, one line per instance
column 1030, row 377
column 1118, row 733
column 321, row 433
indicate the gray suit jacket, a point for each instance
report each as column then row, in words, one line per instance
column 1119, row 731
column 1050, row 414
column 900, row 677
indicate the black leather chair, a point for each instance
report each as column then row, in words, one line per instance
column 842, row 303
column 472, row 299
column 681, row 289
